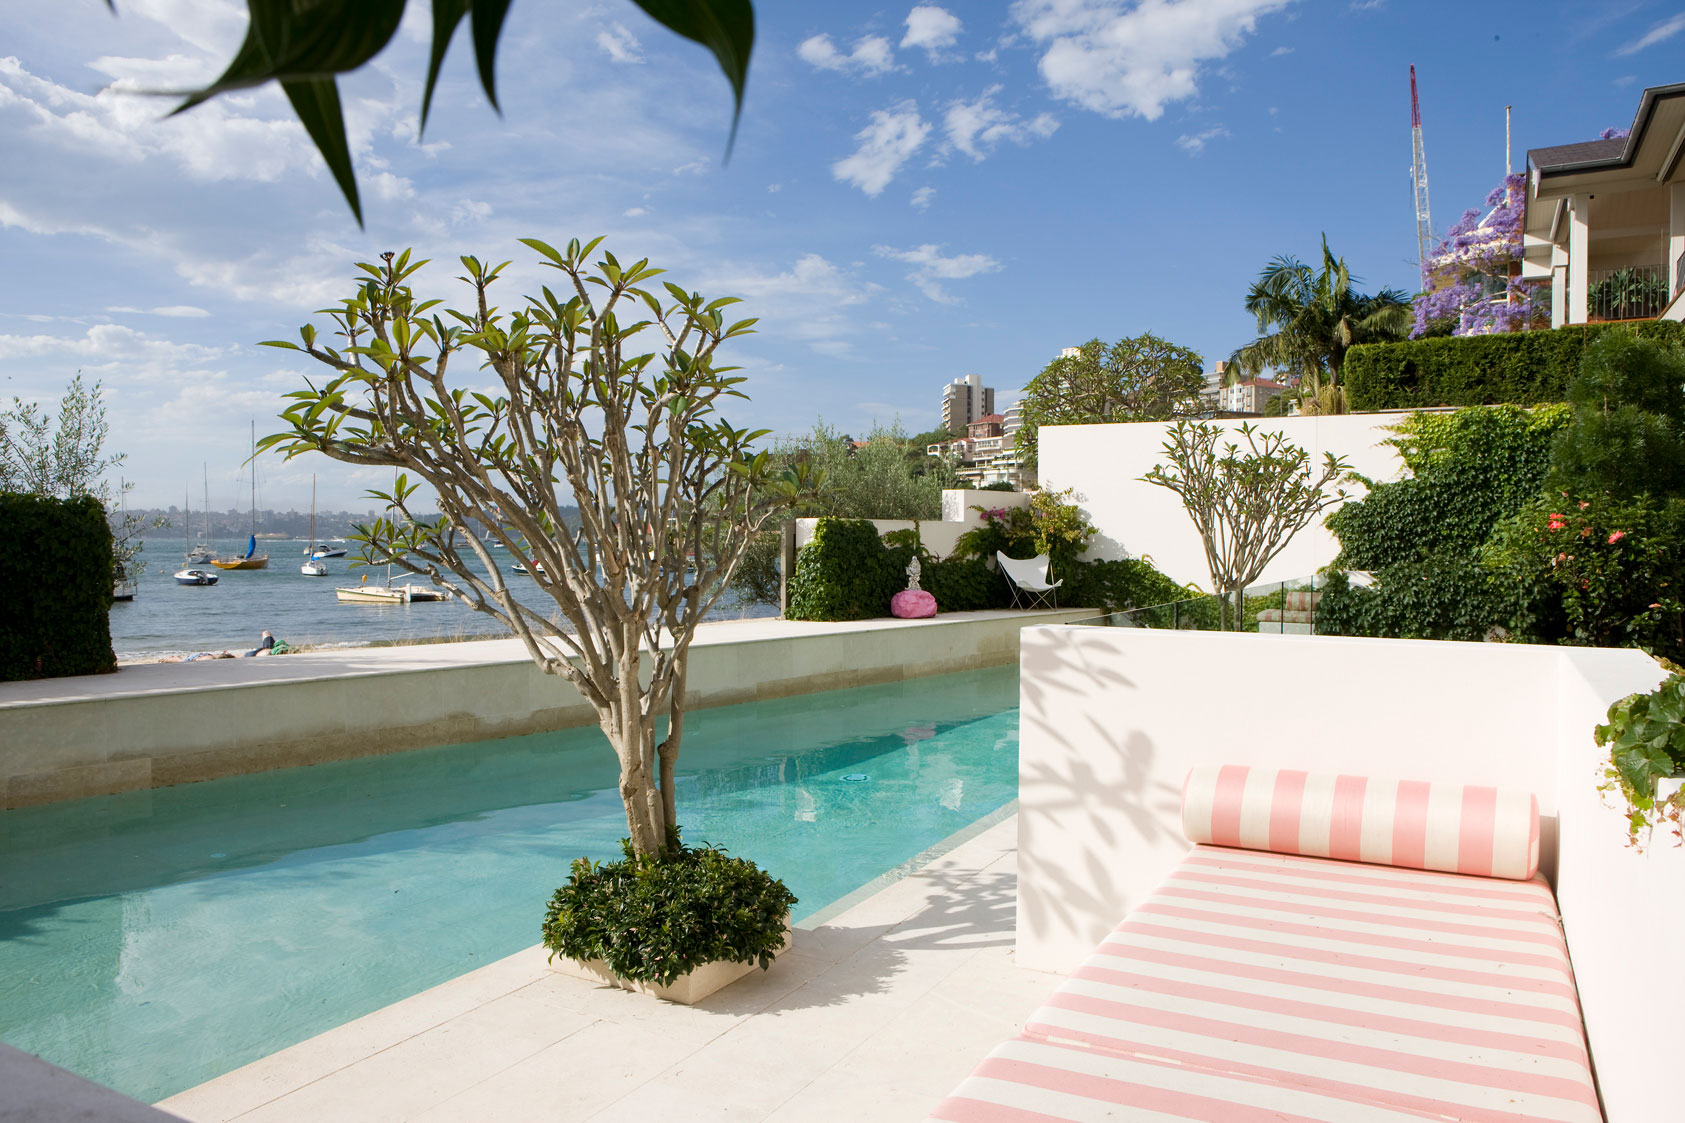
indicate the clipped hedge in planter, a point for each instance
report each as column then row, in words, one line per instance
column 61, row 625
column 655, row 917
column 1524, row 368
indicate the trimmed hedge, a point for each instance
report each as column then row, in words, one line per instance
column 1523, row 368
column 55, row 620
column 848, row 573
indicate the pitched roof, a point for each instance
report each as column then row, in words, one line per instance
column 989, row 419
column 1571, row 155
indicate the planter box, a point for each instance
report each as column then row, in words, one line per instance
column 687, row 989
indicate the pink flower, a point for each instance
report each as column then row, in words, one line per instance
column 1584, row 504
column 1616, row 537
column 1555, row 523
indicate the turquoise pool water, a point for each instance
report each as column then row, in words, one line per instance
column 153, row 940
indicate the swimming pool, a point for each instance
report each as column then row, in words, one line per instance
column 153, row 940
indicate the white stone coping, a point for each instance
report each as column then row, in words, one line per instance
column 151, row 679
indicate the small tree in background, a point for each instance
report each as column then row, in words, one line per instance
column 1246, row 505
column 1143, row 378
column 68, row 461
column 504, row 414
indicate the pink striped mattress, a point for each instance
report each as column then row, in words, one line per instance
column 1256, row 986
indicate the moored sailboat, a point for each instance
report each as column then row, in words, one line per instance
column 251, row 559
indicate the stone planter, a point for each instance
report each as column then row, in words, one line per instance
column 687, row 989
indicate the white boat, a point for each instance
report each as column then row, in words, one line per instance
column 390, row 594
column 201, row 553
column 196, row 577
column 525, row 572
column 314, row 567
column 320, row 551
column 123, row 591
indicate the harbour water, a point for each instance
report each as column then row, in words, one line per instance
column 170, row 619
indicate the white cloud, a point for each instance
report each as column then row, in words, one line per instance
column 178, row 311
column 809, row 302
column 922, row 198
column 1662, row 32
column 1280, row 52
column 633, row 212
column 1126, row 60
column 931, row 28
column 871, row 55
column 1194, row 144
column 220, row 140
column 469, row 210
column 105, row 347
column 619, row 44
column 975, row 127
column 885, row 144
column 930, row 267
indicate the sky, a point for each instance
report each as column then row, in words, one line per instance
column 917, row 192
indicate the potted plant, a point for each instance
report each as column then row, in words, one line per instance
column 678, row 923
column 1646, row 739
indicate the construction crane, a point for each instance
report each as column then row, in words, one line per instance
column 1419, row 177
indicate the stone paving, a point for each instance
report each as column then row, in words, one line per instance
column 875, row 1013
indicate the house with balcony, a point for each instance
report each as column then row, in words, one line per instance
column 1605, row 219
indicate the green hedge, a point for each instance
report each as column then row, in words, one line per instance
column 55, row 616
column 847, row 573
column 1524, row 368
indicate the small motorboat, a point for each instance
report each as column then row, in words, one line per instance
column 525, row 572
column 313, row 568
column 196, row 577
column 326, row 550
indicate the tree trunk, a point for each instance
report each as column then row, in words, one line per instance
column 669, row 750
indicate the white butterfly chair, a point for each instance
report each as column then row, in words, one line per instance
column 1029, row 578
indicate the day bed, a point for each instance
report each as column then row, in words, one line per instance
column 1296, row 616
column 1333, row 948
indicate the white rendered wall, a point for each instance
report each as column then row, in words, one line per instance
column 1111, row 719
column 1105, row 463
column 1623, row 910
column 938, row 535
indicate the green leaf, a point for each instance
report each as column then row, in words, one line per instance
column 725, row 27
column 486, row 20
column 316, row 101
column 289, row 39
column 446, row 15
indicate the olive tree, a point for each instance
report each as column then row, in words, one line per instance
column 66, row 459
column 1246, row 505
column 606, row 394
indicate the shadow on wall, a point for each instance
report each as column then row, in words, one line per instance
column 1066, row 896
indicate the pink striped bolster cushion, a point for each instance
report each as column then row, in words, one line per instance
column 1489, row 832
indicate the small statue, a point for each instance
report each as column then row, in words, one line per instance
column 913, row 571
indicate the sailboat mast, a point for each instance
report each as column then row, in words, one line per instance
column 254, row 479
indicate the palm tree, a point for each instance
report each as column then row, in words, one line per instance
column 1316, row 317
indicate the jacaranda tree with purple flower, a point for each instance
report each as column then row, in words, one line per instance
column 1472, row 286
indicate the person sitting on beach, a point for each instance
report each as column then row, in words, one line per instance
column 267, row 647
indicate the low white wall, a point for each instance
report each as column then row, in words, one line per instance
column 1623, row 910
column 938, row 535
column 958, row 503
column 1112, row 719
column 1104, row 465
column 151, row 726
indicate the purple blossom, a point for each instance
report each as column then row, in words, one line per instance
column 1612, row 134
column 1468, row 278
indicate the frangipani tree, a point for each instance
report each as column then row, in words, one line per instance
column 1246, row 505
column 606, row 394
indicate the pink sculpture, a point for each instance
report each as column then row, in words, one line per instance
column 912, row 604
